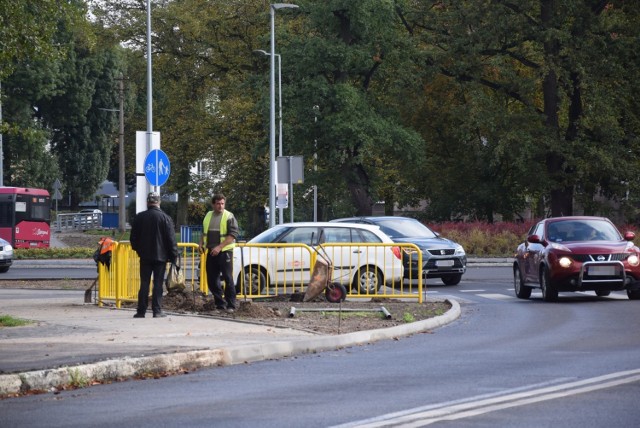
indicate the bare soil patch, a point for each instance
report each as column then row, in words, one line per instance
column 318, row 316
column 79, row 239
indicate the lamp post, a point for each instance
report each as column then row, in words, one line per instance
column 281, row 210
column 272, row 121
column 122, row 221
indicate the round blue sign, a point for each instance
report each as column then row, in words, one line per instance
column 157, row 167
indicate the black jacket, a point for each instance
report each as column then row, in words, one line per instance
column 153, row 236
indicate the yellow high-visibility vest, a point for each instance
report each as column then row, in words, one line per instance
column 223, row 228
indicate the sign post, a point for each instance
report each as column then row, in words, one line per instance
column 291, row 170
column 57, row 196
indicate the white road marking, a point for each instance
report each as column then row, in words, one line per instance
column 496, row 296
column 471, row 291
column 474, row 406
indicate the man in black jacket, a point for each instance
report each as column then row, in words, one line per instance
column 153, row 238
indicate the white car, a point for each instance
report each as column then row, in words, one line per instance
column 275, row 258
column 88, row 217
column 6, row 255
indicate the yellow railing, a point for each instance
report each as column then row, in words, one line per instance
column 364, row 269
column 121, row 281
column 367, row 270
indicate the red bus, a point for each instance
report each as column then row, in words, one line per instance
column 25, row 215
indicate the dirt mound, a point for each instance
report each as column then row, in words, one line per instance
column 317, row 316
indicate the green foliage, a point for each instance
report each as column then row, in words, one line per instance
column 9, row 321
column 28, row 30
column 54, row 253
column 479, row 108
column 408, row 317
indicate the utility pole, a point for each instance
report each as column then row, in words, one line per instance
column 122, row 212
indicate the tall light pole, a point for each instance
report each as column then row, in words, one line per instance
column 281, row 210
column 122, row 221
column 1, row 148
column 122, row 216
column 272, row 121
column 149, row 90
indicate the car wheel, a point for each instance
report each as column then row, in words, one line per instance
column 451, row 279
column 633, row 294
column 4, row 269
column 367, row 280
column 522, row 291
column 549, row 292
column 602, row 293
column 335, row 292
column 254, row 282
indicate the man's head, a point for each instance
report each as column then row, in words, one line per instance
column 153, row 199
column 218, row 202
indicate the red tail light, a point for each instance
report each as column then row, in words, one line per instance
column 396, row 252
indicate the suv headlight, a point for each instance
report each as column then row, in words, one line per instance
column 633, row 260
column 459, row 251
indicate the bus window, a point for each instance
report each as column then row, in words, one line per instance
column 6, row 211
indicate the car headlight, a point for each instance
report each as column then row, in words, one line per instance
column 459, row 251
column 633, row 260
column 565, row 262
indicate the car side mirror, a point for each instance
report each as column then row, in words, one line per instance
column 534, row 239
column 629, row 236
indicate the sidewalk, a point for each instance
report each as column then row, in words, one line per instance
column 75, row 343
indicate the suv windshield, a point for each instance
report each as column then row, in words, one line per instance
column 405, row 229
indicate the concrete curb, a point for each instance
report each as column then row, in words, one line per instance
column 111, row 370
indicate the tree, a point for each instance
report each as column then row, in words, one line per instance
column 28, row 29
column 346, row 62
column 542, row 61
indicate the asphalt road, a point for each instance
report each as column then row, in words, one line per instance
column 505, row 363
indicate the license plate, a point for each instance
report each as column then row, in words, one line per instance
column 444, row 263
column 601, row 270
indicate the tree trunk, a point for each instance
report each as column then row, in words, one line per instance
column 561, row 194
column 358, row 184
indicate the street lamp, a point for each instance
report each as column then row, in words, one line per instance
column 121, row 186
column 281, row 215
column 272, row 121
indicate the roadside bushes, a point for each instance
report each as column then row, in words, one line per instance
column 485, row 239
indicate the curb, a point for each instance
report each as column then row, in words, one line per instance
column 112, row 370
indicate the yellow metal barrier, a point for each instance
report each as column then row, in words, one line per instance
column 367, row 270
column 121, row 281
column 276, row 269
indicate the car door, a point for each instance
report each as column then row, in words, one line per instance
column 343, row 258
column 533, row 253
column 293, row 264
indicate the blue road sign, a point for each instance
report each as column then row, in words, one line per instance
column 157, row 167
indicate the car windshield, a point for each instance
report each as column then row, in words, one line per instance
column 582, row 230
column 403, row 228
column 269, row 235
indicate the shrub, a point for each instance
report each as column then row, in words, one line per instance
column 485, row 239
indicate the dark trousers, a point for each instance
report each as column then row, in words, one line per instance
column 147, row 268
column 216, row 265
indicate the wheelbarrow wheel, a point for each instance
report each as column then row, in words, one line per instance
column 335, row 292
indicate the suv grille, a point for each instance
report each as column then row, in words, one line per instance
column 594, row 257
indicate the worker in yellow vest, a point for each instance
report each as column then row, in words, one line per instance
column 219, row 233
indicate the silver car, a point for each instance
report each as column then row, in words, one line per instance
column 441, row 258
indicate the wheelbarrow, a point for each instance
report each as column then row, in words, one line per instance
column 321, row 281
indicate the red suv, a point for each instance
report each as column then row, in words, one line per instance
column 576, row 254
